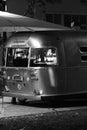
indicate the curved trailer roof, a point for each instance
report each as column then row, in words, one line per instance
column 12, row 22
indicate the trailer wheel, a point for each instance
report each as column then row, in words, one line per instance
column 13, row 101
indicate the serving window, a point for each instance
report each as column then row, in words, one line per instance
column 41, row 57
column 17, row 57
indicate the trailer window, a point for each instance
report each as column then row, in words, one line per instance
column 83, row 49
column 83, row 52
column 84, row 58
column 17, row 57
column 41, row 57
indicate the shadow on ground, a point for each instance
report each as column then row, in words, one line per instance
column 56, row 104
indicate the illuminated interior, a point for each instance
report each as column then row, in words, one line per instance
column 17, row 57
column 41, row 57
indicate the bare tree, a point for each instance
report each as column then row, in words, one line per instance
column 32, row 7
column 31, row 10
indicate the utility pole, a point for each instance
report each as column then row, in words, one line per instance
column 3, row 7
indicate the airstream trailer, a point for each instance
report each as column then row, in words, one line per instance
column 44, row 65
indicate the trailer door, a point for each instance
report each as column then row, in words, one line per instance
column 43, row 64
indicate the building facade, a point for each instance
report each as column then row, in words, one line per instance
column 71, row 13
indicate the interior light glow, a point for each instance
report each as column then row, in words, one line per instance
column 35, row 42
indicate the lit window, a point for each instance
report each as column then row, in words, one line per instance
column 17, row 57
column 80, row 21
column 41, row 57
